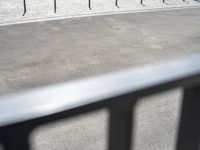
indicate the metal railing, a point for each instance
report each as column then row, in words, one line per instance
column 89, row 5
column 21, row 113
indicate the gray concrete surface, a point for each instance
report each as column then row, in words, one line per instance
column 42, row 53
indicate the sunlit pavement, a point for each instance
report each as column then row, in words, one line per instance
column 12, row 11
column 42, row 53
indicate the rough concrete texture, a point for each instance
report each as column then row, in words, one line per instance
column 42, row 53
column 11, row 11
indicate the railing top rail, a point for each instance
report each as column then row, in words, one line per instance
column 98, row 91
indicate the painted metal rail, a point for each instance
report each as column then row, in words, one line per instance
column 21, row 113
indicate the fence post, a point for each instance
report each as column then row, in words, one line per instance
column 189, row 126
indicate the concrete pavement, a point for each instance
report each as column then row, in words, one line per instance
column 43, row 53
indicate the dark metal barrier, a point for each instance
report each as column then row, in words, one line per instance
column 21, row 113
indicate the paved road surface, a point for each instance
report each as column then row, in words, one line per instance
column 43, row 53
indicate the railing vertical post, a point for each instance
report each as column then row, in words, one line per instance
column 15, row 139
column 55, row 6
column 89, row 4
column 116, row 3
column 120, row 127
column 24, row 4
column 189, row 128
